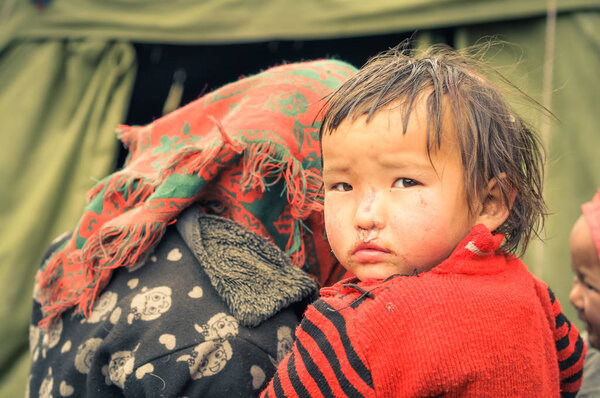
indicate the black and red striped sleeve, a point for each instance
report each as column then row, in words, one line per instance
column 570, row 348
column 323, row 361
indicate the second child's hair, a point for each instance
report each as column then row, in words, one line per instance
column 494, row 141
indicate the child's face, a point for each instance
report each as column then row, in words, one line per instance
column 389, row 207
column 585, row 294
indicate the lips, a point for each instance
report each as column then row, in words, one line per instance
column 369, row 253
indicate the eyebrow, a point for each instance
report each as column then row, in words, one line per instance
column 395, row 162
column 337, row 167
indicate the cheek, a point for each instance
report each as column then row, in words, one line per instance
column 575, row 295
column 421, row 231
column 419, row 220
column 592, row 310
column 335, row 225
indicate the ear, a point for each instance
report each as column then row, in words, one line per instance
column 494, row 210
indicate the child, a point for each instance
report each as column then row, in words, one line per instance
column 585, row 294
column 431, row 181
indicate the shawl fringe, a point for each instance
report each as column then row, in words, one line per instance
column 123, row 240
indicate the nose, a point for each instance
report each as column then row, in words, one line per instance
column 369, row 210
column 576, row 295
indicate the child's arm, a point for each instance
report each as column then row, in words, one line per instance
column 323, row 360
column 570, row 349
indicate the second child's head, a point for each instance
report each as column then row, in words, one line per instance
column 584, row 244
column 417, row 149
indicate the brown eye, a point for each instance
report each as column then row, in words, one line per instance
column 341, row 187
column 405, row 183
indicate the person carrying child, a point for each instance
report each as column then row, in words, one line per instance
column 584, row 244
column 432, row 185
column 190, row 267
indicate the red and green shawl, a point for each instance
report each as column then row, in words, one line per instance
column 248, row 151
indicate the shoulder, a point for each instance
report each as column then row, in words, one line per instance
column 56, row 244
column 351, row 293
column 343, row 314
column 360, row 310
column 332, row 346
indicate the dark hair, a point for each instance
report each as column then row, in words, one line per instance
column 494, row 141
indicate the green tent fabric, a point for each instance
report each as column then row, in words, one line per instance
column 67, row 71
column 59, row 102
column 211, row 21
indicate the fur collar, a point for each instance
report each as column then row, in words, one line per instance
column 252, row 275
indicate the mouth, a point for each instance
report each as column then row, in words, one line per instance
column 369, row 253
column 369, row 246
column 215, row 368
column 586, row 324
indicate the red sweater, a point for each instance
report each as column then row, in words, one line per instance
column 478, row 325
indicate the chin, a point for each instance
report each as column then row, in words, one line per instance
column 374, row 274
column 594, row 340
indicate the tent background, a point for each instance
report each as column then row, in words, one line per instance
column 68, row 71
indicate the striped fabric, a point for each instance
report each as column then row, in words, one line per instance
column 477, row 325
column 323, row 361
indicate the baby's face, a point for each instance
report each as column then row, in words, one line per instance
column 585, row 294
column 389, row 207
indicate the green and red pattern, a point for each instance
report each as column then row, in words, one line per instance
column 248, row 151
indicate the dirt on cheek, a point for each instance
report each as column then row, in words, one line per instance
column 422, row 202
column 369, row 201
